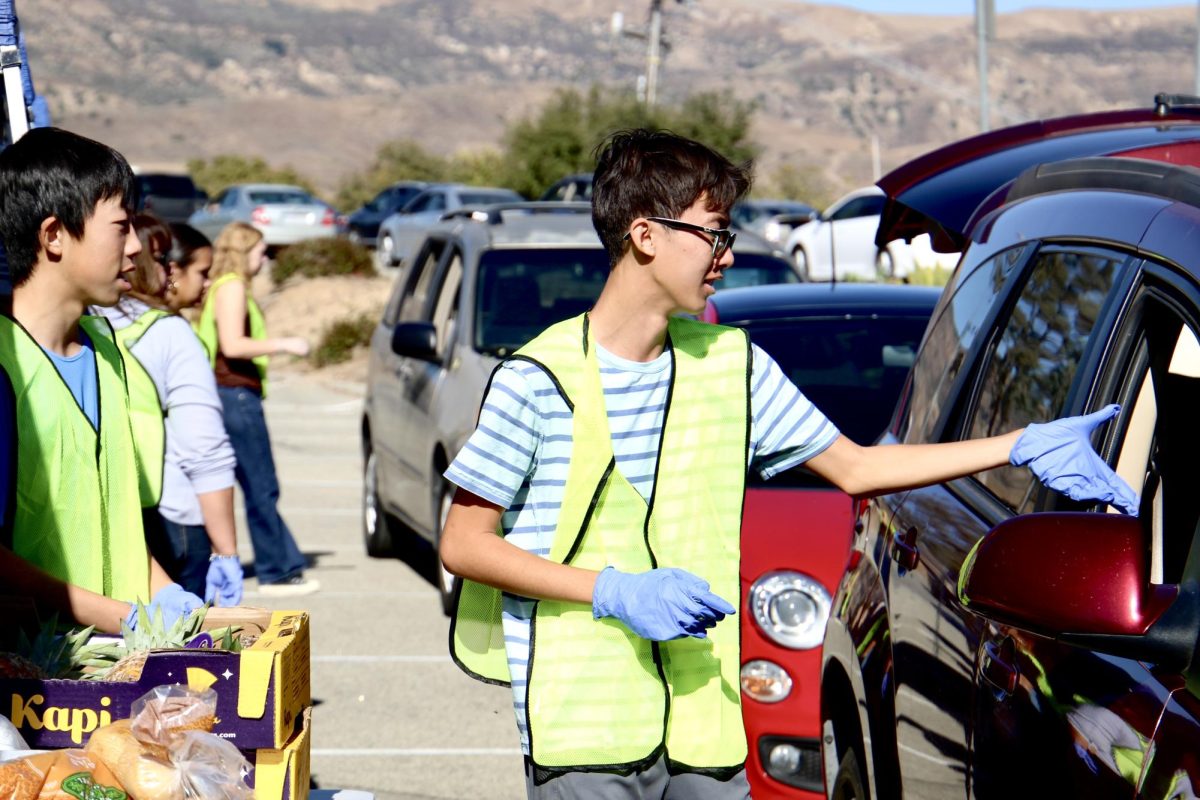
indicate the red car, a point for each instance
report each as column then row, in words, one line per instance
column 848, row 347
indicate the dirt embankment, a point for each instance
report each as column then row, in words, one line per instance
column 306, row 307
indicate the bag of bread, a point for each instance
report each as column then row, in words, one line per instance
column 74, row 774
column 22, row 778
column 166, row 750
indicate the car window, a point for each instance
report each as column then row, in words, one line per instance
column 754, row 269
column 869, row 206
column 280, row 197
column 229, row 199
column 397, row 197
column 957, row 324
column 416, row 290
column 167, row 185
column 852, row 368
column 484, row 198
column 437, row 202
column 419, row 203
column 1032, row 364
column 445, row 307
column 1161, row 433
column 520, row 292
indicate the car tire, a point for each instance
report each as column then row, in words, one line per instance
column 447, row 582
column 386, row 250
column 800, row 257
column 377, row 526
column 885, row 263
column 848, row 784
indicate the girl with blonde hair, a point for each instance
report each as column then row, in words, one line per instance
column 233, row 331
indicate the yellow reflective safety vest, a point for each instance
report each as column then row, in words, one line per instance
column 145, row 410
column 206, row 326
column 598, row 695
column 77, row 515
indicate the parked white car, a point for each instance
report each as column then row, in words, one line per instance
column 843, row 238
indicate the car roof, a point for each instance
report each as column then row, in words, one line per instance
column 784, row 300
column 268, row 187
column 939, row 192
column 523, row 224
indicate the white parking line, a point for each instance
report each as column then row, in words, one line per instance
column 408, row 752
column 380, row 659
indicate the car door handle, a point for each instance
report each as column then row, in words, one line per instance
column 904, row 549
column 997, row 667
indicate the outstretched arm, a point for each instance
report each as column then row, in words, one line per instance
column 70, row 601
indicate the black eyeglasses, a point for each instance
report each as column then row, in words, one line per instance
column 722, row 238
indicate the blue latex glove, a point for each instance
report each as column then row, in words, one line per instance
column 1060, row 453
column 661, row 604
column 223, row 583
column 172, row 601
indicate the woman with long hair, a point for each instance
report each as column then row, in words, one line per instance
column 232, row 329
column 185, row 460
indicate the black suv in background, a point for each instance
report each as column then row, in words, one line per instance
column 990, row 638
column 169, row 196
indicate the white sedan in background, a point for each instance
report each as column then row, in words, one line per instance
column 842, row 238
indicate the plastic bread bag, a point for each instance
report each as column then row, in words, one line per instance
column 10, row 737
column 166, row 751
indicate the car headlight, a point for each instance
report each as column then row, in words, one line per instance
column 791, row 609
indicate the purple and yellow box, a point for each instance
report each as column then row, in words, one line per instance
column 262, row 691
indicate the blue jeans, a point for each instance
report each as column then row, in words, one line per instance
column 181, row 550
column 276, row 556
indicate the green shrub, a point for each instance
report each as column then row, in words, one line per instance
column 930, row 276
column 340, row 338
column 314, row 258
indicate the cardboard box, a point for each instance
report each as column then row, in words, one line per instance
column 283, row 774
column 261, row 691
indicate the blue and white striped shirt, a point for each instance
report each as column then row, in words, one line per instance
column 518, row 455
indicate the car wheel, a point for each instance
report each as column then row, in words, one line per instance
column 885, row 263
column 801, row 259
column 386, row 250
column 447, row 581
column 848, row 784
column 377, row 528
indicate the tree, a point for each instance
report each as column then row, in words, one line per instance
column 399, row 160
column 224, row 170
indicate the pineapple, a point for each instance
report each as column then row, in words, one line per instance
column 49, row 655
column 124, row 661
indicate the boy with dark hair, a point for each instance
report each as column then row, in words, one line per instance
column 611, row 453
column 73, row 540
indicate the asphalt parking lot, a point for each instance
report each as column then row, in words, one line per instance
column 392, row 715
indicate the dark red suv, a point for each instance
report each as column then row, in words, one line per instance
column 991, row 638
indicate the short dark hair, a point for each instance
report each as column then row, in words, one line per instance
column 657, row 173
column 50, row 172
column 185, row 241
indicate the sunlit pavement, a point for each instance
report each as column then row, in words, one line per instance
column 393, row 714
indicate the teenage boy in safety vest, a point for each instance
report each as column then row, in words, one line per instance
column 73, row 540
column 611, row 452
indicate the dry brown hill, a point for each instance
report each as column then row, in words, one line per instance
column 320, row 84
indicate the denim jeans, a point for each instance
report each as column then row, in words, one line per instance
column 276, row 556
column 181, row 550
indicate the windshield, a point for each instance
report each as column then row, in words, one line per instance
column 281, row 197
column 753, row 269
column 167, row 186
column 521, row 292
column 852, row 369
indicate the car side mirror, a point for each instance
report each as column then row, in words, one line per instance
column 416, row 340
column 1081, row 578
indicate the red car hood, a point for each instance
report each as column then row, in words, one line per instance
column 806, row 530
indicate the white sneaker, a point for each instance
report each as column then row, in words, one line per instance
column 290, row 587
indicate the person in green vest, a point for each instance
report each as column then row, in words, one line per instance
column 611, row 454
column 233, row 331
column 185, row 459
column 74, row 540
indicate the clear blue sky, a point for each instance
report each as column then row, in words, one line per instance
column 1002, row 6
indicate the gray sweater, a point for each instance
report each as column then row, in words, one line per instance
column 199, row 457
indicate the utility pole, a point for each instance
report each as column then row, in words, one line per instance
column 984, row 14
column 653, row 52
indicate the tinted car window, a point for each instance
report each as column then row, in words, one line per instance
column 869, row 206
column 280, row 197
column 754, row 270
column 483, row 198
column 521, row 292
column 951, row 337
column 416, row 283
column 167, row 185
column 852, row 368
column 1032, row 364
